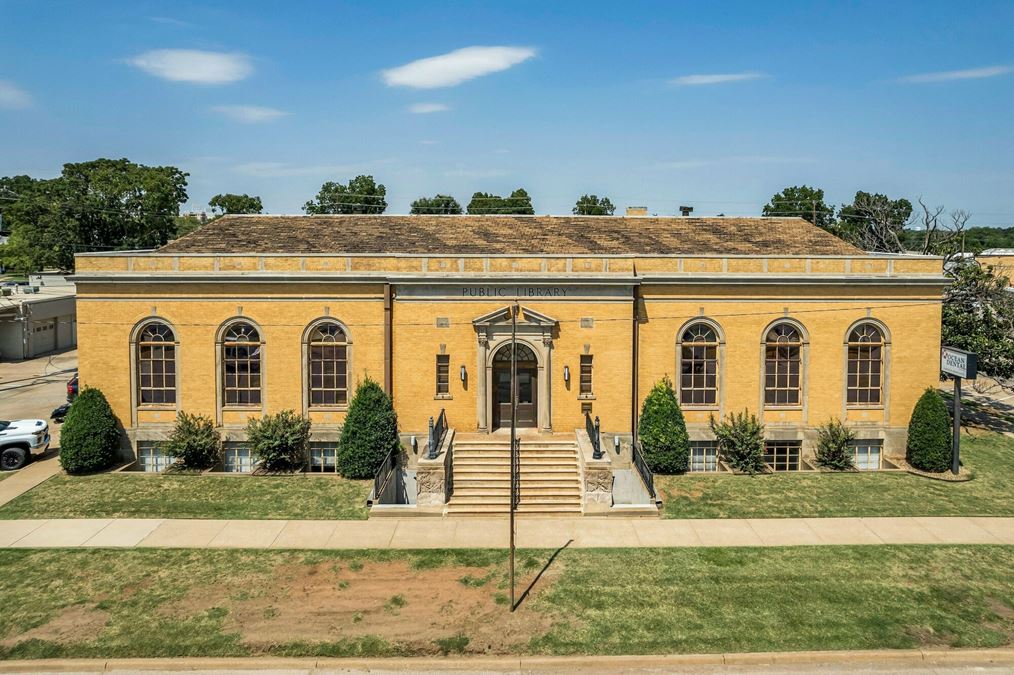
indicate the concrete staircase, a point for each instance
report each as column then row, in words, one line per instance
column 550, row 476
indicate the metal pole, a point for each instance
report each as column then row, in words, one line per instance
column 514, row 421
column 956, row 441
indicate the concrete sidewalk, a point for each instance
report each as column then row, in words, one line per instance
column 413, row 533
column 21, row 481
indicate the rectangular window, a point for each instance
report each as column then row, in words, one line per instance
column 150, row 457
column 865, row 363
column 443, row 374
column 323, row 457
column 781, row 375
column 586, row 375
column 699, row 375
column 782, row 455
column 867, row 454
column 237, row 458
column 703, row 456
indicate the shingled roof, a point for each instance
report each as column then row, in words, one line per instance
column 509, row 235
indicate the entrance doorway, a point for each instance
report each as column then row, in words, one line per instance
column 528, row 387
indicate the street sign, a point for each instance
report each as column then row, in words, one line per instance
column 959, row 363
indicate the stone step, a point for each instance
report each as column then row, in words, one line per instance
column 498, row 481
column 533, row 501
column 504, row 472
column 501, row 495
column 526, row 510
column 506, row 457
column 505, row 461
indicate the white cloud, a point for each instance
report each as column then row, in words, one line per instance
column 249, row 114
column 428, row 141
column 192, row 65
column 424, row 108
column 949, row 75
column 13, row 97
column 716, row 78
column 476, row 173
column 168, row 20
column 453, row 68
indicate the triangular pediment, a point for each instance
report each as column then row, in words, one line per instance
column 528, row 317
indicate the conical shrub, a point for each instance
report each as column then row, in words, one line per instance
column 929, row 434
column 370, row 432
column 90, row 437
column 663, row 431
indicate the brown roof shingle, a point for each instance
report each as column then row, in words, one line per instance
column 510, row 235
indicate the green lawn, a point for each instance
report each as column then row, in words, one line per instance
column 124, row 495
column 990, row 492
column 164, row 603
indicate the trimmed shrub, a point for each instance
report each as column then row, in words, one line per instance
column 90, row 437
column 929, row 434
column 281, row 442
column 194, row 442
column 663, row 431
column 369, row 433
column 740, row 439
column 834, row 446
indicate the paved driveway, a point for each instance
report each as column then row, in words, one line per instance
column 32, row 388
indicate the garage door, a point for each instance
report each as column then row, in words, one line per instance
column 43, row 338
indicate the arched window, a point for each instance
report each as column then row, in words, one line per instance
column 699, row 365
column 865, row 365
column 524, row 353
column 328, row 360
column 156, row 365
column 241, row 365
column 782, row 365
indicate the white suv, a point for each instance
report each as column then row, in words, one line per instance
column 19, row 439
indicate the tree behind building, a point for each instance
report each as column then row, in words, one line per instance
column 362, row 194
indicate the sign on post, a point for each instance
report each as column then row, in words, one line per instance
column 958, row 364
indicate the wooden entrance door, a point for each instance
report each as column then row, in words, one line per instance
column 528, row 387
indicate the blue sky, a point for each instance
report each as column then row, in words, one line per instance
column 655, row 104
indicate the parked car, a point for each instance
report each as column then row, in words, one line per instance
column 59, row 413
column 72, row 389
column 19, row 439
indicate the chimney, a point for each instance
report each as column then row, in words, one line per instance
column 637, row 210
column 686, row 210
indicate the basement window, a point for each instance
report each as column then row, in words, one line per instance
column 782, row 455
column 866, row 454
column 151, row 458
column 236, row 458
column 323, row 458
column 703, row 456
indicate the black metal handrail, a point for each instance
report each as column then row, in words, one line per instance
column 438, row 430
column 595, row 434
column 642, row 468
column 384, row 474
column 516, row 473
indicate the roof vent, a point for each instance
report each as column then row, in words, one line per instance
column 686, row 210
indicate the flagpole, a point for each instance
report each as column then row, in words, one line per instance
column 514, row 423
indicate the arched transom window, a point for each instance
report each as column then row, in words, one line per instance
column 699, row 365
column 865, row 365
column 328, row 361
column 782, row 365
column 156, row 365
column 241, row 365
column 524, row 353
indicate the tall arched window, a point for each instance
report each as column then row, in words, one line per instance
column 865, row 384
column 699, row 365
column 241, row 365
column 327, row 360
column 783, row 365
column 156, row 365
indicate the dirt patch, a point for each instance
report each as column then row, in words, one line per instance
column 418, row 609
column 927, row 637
column 74, row 624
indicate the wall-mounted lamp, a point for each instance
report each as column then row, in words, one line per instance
column 616, row 444
column 566, row 373
column 415, row 445
column 463, row 374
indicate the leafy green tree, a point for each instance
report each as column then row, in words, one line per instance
column 281, row 442
column 232, row 203
column 978, row 316
column 803, row 201
column 105, row 204
column 187, row 224
column 90, row 437
column 361, row 195
column 518, row 203
column 834, row 445
column 437, row 205
column 193, row 442
column 740, row 439
column 369, row 433
column 874, row 222
column 662, row 430
column 929, row 434
column 593, row 205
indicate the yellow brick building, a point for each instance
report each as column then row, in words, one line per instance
column 255, row 314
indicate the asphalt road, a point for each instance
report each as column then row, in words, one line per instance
column 33, row 388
